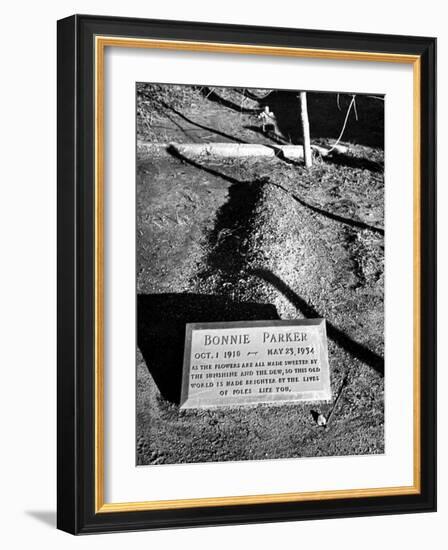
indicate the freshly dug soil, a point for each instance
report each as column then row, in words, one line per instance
column 260, row 240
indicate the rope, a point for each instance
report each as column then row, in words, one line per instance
column 352, row 103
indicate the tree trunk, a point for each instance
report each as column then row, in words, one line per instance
column 305, row 131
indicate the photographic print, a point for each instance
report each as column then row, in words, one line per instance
column 259, row 274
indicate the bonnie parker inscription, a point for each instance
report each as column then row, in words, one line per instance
column 250, row 362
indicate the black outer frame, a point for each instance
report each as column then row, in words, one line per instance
column 75, row 403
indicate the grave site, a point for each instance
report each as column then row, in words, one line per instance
column 245, row 231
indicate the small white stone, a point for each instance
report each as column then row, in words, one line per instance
column 321, row 420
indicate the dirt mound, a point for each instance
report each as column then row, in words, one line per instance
column 255, row 247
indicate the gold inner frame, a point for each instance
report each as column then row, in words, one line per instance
column 101, row 42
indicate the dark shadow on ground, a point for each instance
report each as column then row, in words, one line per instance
column 211, row 95
column 181, row 129
column 228, row 254
column 179, row 156
column 347, row 221
column 327, row 118
column 344, row 341
column 268, row 134
column 336, row 217
column 161, row 320
column 245, row 190
column 326, row 114
column 202, row 126
column 354, row 162
column 228, row 239
column 339, row 159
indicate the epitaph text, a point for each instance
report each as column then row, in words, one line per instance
column 255, row 362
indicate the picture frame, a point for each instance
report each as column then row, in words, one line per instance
column 82, row 240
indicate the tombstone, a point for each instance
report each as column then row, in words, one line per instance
column 251, row 362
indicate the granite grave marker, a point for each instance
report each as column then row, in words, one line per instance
column 250, row 362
